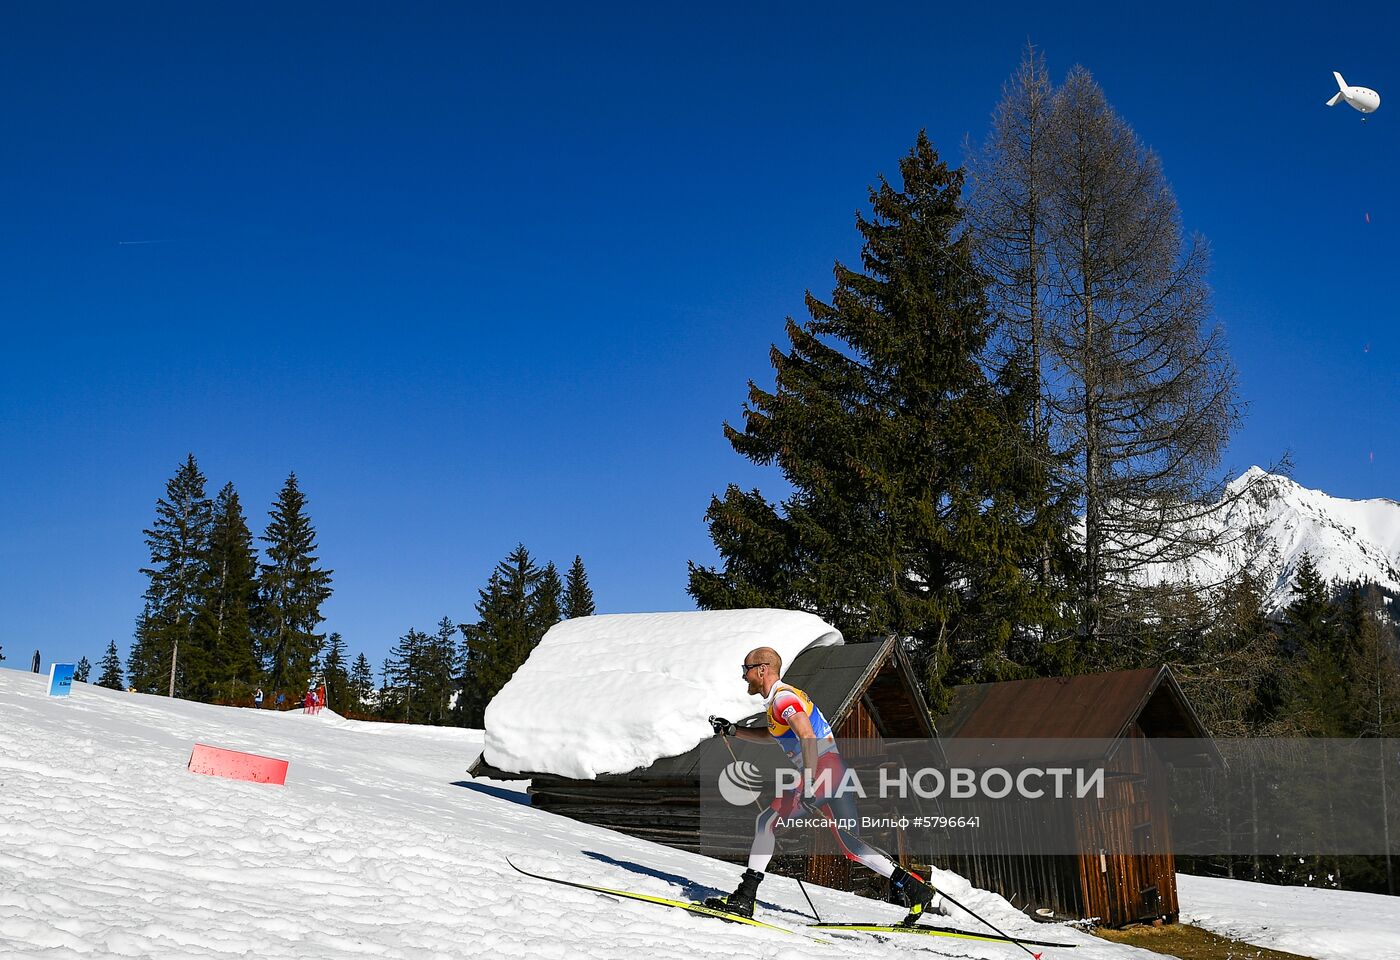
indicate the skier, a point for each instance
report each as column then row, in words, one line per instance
column 799, row 727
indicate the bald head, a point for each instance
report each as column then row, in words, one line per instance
column 769, row 656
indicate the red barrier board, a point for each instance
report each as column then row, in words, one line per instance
column 216, row 762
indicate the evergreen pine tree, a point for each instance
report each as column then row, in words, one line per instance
column 578, row 595
column 291, row 589
column 403, row 682
column 506, row 630
column 1316, row 647
column 111, row 676
column 361, row 683
column 546, row 602
column 921, row 504
column 339, row 695
column 82, row 669
column 386, row 699
column 1372, row 695
column 438, row 684
column 223, row 627
column 163, row 654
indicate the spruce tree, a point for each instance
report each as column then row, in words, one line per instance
column 223, row 627
column 546, row 602
column 361, row 683
column 1371, row 666
column 337, row 675
column 82, row 669
column 506, row 629
column 578, row 595
column 921, row 504
column 111, row 676
column 437, row 683
column 163, row 654
column 291, row 589
column 1316, row 645
column 403, row 676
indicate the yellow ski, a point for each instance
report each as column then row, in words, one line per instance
column 690, row 907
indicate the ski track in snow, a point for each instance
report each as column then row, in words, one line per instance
column 109, row 847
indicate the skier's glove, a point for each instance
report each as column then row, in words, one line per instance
column 723, row 727
column 810, row 790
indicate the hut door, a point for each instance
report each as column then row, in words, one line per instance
column 1139, row 877
column 1128, row 875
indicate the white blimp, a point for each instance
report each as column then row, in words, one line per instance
column 1362, row 98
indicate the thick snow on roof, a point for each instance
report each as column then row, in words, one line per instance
column 613, row 693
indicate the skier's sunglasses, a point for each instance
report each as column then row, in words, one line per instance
column 749, row 666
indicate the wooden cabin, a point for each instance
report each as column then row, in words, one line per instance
column 866, row 690
column 1125, row 872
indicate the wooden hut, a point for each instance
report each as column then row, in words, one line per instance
column 866, row 690
column 1125, row 871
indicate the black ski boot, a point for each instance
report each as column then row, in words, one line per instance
column 740, row 902
column 913, row 891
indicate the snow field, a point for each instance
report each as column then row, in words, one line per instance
column 109, row 847
column 1327, row 924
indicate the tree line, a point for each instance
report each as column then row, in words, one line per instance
column 221, row 619
column 1325, row 666
column 218, row 619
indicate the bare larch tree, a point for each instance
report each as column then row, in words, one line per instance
column 1095, row 277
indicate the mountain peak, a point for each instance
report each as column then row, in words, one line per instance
column 1281, row 520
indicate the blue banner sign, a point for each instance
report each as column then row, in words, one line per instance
column 61, row 679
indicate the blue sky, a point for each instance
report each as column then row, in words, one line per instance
column 484, row 276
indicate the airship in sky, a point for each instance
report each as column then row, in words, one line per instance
column 1362, row 98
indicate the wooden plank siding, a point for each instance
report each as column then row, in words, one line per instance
column 1134, row 877
column 1126, row 872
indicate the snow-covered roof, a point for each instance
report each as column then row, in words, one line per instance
column 612, row 693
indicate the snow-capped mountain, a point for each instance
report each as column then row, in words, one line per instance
column 1278, row 521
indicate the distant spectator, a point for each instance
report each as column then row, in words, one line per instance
column 34, row 668
column 281, row 699
column 309, row 704
column 258, row 698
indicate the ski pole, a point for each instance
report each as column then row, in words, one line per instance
column 961, row 906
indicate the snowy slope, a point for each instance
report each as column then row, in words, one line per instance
column 376, row 847
column 612, row 693
column 1346, row 538
column 1327, row 924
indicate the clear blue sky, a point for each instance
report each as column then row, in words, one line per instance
column 482, row 277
